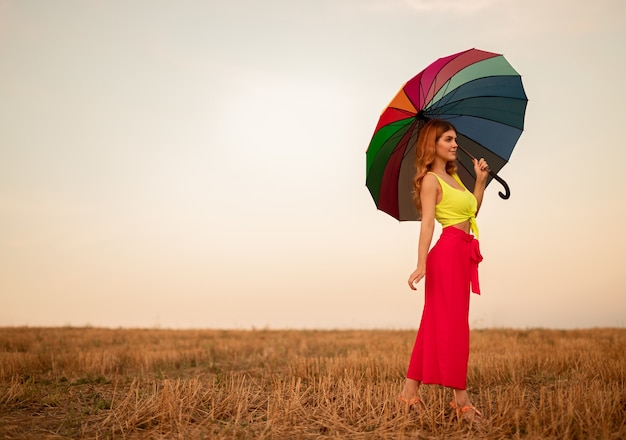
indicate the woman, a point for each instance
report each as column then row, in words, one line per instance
column 441, row 351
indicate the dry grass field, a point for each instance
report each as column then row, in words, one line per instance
column 58, row 383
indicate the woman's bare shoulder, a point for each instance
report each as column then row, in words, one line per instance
column 430, row 179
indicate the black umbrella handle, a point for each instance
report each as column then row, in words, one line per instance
column 507, row 191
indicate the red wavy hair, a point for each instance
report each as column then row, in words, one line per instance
column 425, row 154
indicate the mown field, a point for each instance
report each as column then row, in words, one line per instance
column 58, row 383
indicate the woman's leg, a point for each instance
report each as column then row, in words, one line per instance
column 410, row 393
column 460, row 397
column 464, row 408
column 410, row 390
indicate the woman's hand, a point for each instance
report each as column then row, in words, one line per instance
column 416, row 276
column 481, row 169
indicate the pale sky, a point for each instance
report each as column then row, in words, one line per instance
column 201, row 164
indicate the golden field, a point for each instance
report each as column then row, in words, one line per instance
column 58, row 383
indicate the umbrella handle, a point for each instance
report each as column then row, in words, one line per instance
column 507, row 191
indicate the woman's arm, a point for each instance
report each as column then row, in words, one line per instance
column 481, row 170
column 428, row 197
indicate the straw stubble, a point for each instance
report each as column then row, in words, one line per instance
column 130, row 383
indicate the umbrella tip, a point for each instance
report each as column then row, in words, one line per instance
column 422, row 117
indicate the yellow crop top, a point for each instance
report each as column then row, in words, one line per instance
column 456, row 205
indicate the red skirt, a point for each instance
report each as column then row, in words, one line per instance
column 441, row 351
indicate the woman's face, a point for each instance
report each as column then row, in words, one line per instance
column 446, row 146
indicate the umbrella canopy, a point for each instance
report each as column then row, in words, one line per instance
column 478, row 92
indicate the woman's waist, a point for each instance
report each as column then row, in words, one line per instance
column 461, row 230
column 463, row 226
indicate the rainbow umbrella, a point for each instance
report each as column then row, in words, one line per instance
column 478, row 92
